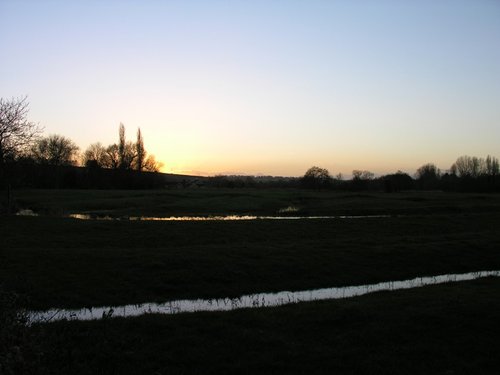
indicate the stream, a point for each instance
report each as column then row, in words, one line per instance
column 248, row 301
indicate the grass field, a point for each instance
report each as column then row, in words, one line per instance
column 249, row 201
column 62, row 262
column 445, row 329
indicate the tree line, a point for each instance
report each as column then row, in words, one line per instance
column 30, row 159
column 58, row 150
column 124, row 155
column 22, row 141
column 468, row 173
column 50, row 161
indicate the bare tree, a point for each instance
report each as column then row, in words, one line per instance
column 16, row 132
column 492, row 166
column 95, row 154
column 362, row 175
column 151, row 165
column 55, row 150
column 129, row 156
column 467, row 166
column 112, row 159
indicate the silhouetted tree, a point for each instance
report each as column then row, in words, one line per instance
column 112, row 159
column 361, row 180
column 139, row 151
column 475, row 174
column 492, row 166
column 126, row 150
column 151, row 165
column 467, row 166
column 397, row 182
column 121, row 145
column 428, row 176
column 16, row 132
column 55, row 150
column 362, row 175
column 95, row 155
column 316, row 178
column 129, row 156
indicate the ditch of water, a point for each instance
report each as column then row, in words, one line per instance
column 93, row 216
column 247, row 301
column 218, row 218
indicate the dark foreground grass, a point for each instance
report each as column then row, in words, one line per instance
column 445, row 329
column 59, row 262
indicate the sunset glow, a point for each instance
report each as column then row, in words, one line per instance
column 263, row 87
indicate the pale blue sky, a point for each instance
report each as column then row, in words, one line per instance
column 269, row 87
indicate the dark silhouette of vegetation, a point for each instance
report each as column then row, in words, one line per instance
column 361, row 180
column 28, row 160
column 16, row 132
column 428, row 176
column 95, row 156
column 113, row 157
column 316, row 178
column 121, row 146
column 473, row 167
column 151, row 164
column 223, row 181
column 140, row 152
column 54, row 150
column 126, row 150
column 19, row 349
column 396, row 182
column 44, row 176
column 16, row 135
column 124, row 155
column 362, row 175
column 473, row 174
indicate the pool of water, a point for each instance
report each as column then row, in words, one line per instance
column 217, row 218
column 248, row 301
column 95, row 216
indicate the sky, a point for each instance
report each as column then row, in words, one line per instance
column 268, row 87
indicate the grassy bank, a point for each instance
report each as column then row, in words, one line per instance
column 445, row 329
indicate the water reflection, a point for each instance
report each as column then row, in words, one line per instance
column 216, row 218
column 26, row 212
column 288, row 210
column 248, row 301
column 93, row 216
